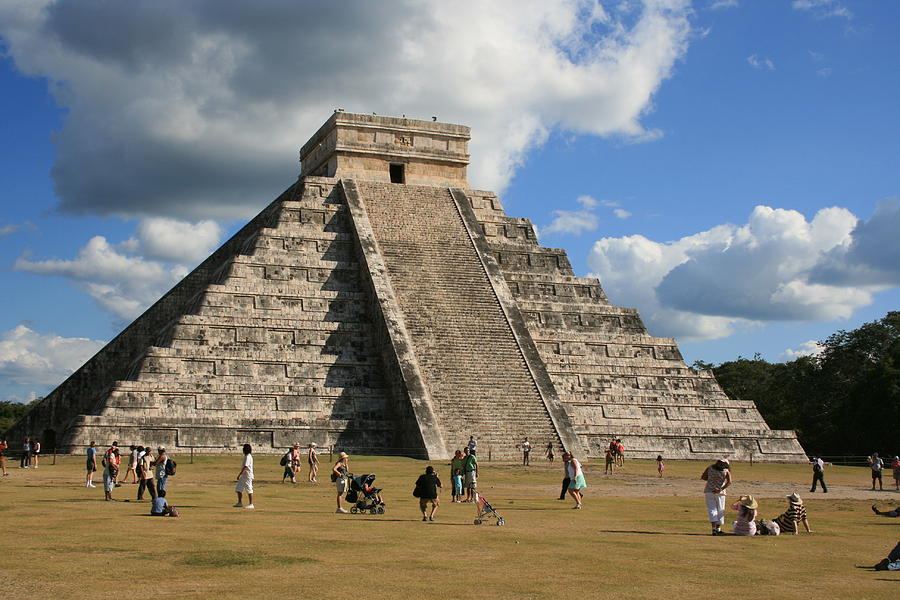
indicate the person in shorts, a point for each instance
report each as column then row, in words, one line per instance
column 426, row 491
column 244, row 479
column 470, row 474
column 895, row 467
column 340, row 476
column 91, row 465
column 3, row 447
column 312, row 459
column 877, row 464
column 35, row 452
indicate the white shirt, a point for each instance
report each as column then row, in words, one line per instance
column 247, row 467
column 526, row 446
column 574, row 468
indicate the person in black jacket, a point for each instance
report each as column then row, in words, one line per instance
column 426, row 491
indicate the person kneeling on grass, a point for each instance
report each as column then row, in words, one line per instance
column 161, row 508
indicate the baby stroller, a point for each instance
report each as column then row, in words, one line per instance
column 363, row 496
column 485, row 512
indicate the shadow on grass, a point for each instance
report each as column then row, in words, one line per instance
column 661, row 532
column 232, row 558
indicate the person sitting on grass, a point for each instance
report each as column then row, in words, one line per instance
column 892, row 562
column 161, row 508
column 886, row 513
column 796, row 513
column 746, row 515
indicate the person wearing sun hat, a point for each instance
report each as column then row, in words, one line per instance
column 796, row 513
column 746, row 515
column 340, row 476
column 717, row 478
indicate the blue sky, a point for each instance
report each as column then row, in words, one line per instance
column 730, row 168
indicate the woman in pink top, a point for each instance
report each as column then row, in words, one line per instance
column 746, row 515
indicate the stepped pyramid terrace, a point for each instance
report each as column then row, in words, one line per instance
column 381, row 306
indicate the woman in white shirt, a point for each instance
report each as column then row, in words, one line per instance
column 576, row 480
column 245, row 479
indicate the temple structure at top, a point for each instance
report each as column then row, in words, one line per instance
column 379, row 305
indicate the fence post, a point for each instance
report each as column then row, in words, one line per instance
column 489, row 453
column 54, row 456
column 192, row 455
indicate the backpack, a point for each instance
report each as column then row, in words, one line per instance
column 171, row 465
column 284, row 459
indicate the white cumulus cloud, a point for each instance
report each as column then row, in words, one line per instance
column 777, row 267
column 196, row 109
column 29, row 358
column 808, row 348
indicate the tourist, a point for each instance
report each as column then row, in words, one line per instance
column 549, row 453
column 472, row 444
column 660, row 465
column 877, row 465
column 340, row 476
column 295, row 459
column 456, row 464
column 3, row 447
column 818, row 467
column 717, row 477
column 426, row 491
column 895, row 467
column 112, row 455
column 566, row 480
column 145, row 471
column 457, row 485
column 892, row 562
column 245, row 479
column 620, row 453
column 91, row 465
column 312, row 458
column 526, row 452
column 110, row 472
column 25, row 462
column 132, row 465
column 160, row 508
column 894, row 512
column 796, row 513
column 470, row 474
column 746, row 515
column 159, row 465
column 610, row 457
column 290, row 468
column 576, row 481
column 35, row 452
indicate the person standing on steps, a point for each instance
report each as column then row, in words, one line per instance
column 472, row 444
column 91, row 465
column 313, row 459
column 245, row 479
column 717, row 477
column 340, row 476
column 550, row 455
column 818, row 466
column 526, row 452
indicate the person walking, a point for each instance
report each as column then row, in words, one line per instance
column 145, row 471
column 576, row 481
column 132, row 465
column 818, row 467
column 566, row 479
column 245, row 479
column 340, row 476
column 877, row 466
column 660, row 464
column 25, row 462
column 717, row 477
column 91, row 465
column 470, row 474
column 290, row 466
column 3, row 447
column 160, row 467
column 526, row 452
column 312, row 458
column 549, row 453
column 426, row 491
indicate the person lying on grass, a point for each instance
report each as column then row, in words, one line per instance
column 886, row 513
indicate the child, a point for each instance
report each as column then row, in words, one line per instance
column 610, row 461
column 161, row 508
column 457, row 485
column 660, row 465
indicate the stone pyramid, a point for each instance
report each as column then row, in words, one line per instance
column 380, row 306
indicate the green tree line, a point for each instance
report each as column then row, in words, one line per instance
column 844, row 401
column 10, row 412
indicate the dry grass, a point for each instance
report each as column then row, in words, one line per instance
column 638, row 537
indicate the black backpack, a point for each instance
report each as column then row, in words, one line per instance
column 171, row 465
column 284, row 459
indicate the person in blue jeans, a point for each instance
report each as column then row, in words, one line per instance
column 159, row 507
column 160, row 466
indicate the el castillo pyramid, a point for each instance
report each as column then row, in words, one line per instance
column 380, row 306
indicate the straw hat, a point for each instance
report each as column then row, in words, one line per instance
column 794, row 499
column 343, row 455
column 748, row 501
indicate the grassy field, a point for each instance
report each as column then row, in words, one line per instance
column 638, row 537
